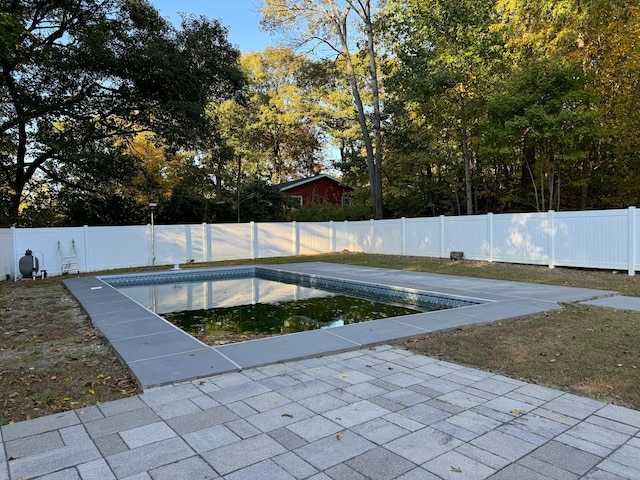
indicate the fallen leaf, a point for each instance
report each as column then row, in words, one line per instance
column 518, row 412
column 340, row 436
column 92, row 391
column 345, row 376
column 620, row 365
column 552, row 360
column 288, row 415
column 456, row 469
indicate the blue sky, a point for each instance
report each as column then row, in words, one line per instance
column 241, row 17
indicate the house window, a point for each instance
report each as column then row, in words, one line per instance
column 297, row 198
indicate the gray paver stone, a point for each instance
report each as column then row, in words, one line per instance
column 78, row 449
column 315, row 428
column 243, row 454
column 545, row 468
column 421, row 446
column 121, row 421
column 210, row 438
column 627, row 455
column 39, row 425
column 330, row 451
column 96, row 470
column 294, row 465
column 380, row 464
column 344, row 472
column 188, row 469
column 455, row 466
column 567, row 457
column 124, row 405
column 199, row 420
column 504, row 445
column 514, row 471
column 266, row 470
column 356, row 413
column 173, row 393
column 23, row 447
column 379, row 431
column 620, row 414
column 149, row 457
column 287, row 438
column 242, row 428
column 279, row 417
column 140, row 436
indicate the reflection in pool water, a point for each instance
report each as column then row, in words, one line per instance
column 258, row 306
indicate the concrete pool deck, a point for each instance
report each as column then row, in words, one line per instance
column 368, row 412
column 159, row 353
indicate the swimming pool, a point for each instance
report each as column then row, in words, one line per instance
column 383, row 293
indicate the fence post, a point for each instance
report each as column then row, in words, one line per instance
column 371, row 235
column 490, row 228
column 14, row 260
column 295, row 239
column 442, row 247
column 552, row 238
column 205, row 243
column 632, row 241
column 404, row 236
column 85, row 254
column 254, row 240
column 332, row 237
column 346, row 233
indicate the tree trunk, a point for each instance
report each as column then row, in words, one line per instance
column 375, row 180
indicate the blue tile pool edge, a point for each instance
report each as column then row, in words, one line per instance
column 409, row 296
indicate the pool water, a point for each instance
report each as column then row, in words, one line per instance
column 285, row 317
column 253, row 306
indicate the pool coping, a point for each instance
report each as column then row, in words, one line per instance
column 159, row 353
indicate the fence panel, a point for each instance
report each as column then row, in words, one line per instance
column 180, row 243
column 275, row 240
column 360, row 239
column 522, row 238
column 230, row 241
column 109, row 248
column 314, row 238
column 592, row 239
column 423, row 237
column 387, row 237
column 467, row 234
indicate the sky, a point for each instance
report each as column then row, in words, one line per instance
column 241, row 17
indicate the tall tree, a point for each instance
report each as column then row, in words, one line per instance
column 330, row 21
column 78, row 77
column 444, row 52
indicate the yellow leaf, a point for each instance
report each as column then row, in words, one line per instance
column 345, row 376
column 340, row 436
column 518, row 412
column 92, row 391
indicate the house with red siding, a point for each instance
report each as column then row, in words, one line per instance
column 317, row 191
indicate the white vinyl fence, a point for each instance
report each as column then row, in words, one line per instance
column 603, row 239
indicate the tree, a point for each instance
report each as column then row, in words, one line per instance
column 81, row 77
column 444, row 58
column 283, row 127
column 329, row 21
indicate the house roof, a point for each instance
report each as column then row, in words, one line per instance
column 302, row 181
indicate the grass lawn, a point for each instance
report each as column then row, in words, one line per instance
column 52, row 359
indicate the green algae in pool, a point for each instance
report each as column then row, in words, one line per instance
column 286, row 317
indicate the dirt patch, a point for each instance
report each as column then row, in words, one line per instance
column 52, row 358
